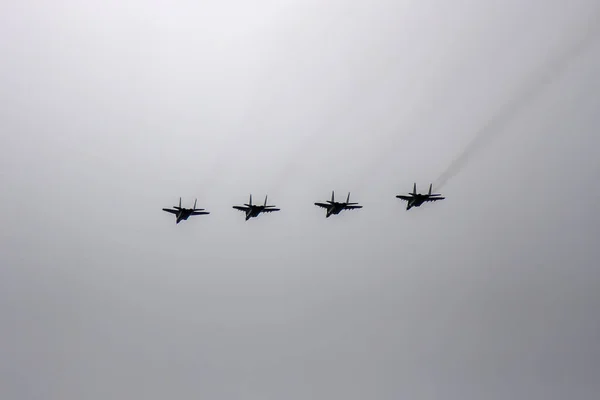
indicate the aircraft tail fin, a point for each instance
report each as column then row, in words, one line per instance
column 195, row 201
column 432, row 194
column 348, row 201
column 250, row 199
column 266, row 200
column 332, row 196
column 414, row 188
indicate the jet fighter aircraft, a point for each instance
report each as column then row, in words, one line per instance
column 253, row 210
column 333, row 207
column 183, row 213
column 415, row 199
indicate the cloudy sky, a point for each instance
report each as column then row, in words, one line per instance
column 112, row 110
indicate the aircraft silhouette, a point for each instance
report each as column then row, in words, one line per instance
column 333, row 207
column 415, row 199
column 253, row 210
column 183, row 213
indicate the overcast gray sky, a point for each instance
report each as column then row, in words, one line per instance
column 112, row 110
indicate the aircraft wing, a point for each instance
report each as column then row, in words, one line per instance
column 406, row 198
column 352, row 207
column 435, row 198
column 170, row 211
column 322, row 205
column 244, row 209
column 199, row 213
column 270, row 209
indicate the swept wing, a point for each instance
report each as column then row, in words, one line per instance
column 406, row 198
column 352, row 207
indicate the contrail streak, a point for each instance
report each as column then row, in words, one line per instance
column 528, row 93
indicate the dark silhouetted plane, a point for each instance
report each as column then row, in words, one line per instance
column 253, row 210
column 415, row 199
column 183, row 213
column 334, row 207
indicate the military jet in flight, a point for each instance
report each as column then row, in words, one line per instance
column 253, row 210
column 183, row 213
column 415, row 199
column 334, row 207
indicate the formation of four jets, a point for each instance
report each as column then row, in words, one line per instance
column 333, row 207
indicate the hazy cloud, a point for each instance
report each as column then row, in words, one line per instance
column 113, row 110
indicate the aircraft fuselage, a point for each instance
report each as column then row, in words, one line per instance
column 334, row 209
column 416, row 201
column 182, row 215
column 254, row 212
column 419, row 199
